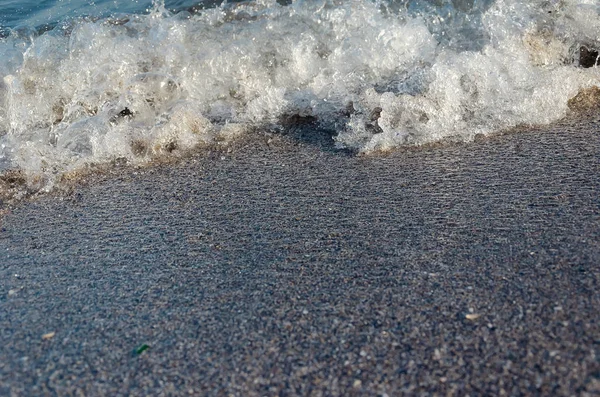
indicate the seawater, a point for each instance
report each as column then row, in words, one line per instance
column 85, row 82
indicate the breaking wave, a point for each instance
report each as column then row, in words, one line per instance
column 377, row 74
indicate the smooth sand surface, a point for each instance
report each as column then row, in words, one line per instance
column 289, row 268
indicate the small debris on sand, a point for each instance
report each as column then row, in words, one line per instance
column 48, row 336
column 141, row 349
column 472, row 316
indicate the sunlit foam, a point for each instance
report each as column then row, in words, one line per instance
column 379, row 75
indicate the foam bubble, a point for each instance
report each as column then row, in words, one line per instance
column 379, row 74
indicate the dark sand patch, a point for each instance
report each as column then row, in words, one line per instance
column 283, row 267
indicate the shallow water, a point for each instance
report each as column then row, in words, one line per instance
column 31, row 13
column 91, row 82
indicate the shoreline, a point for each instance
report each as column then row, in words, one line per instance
column 455, row 269
column 16, row 190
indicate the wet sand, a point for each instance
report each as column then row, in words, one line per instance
column 291, row 268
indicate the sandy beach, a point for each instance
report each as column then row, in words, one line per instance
column 286, row 267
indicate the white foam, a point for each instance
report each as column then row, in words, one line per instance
column 158, row 83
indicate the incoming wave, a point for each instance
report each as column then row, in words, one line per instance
column 378, row 74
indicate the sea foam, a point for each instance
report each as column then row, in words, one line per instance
column 377, row 74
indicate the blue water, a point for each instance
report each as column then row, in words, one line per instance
column 86, row 82
column 15, row 13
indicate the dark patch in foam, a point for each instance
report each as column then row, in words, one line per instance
column 296, row 120
column 349, row 110
column 171, row 146
column 139, row 148
column 588, row 57
column 308, row 130
column 123, row 114
column 585, row 100
column 373, row 127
